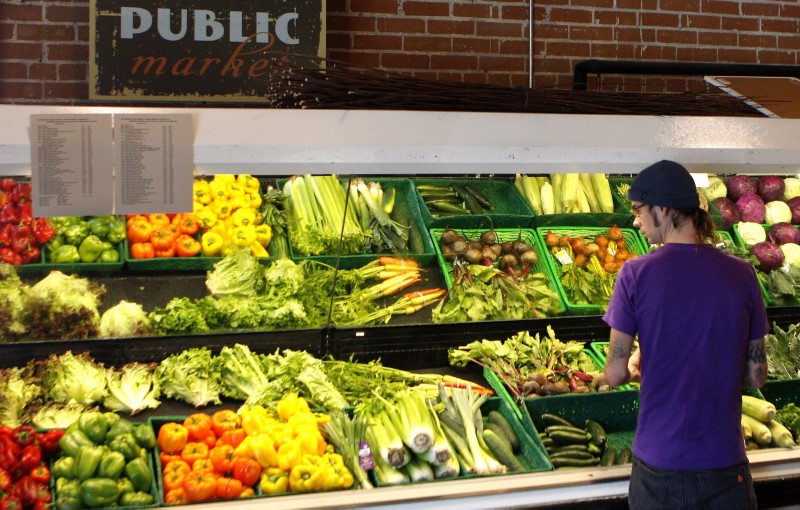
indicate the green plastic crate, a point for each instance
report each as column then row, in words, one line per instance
column 633, row 244
column 527, row 235
column 600, row 355
column 769, row 299
column 615, row 411
column 622, row 215
column 45, row 266
column 510, row 208
column 532, row 454
column 406, row 212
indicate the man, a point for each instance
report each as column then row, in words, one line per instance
column 700, row 320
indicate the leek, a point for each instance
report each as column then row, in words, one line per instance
column 346, row 435
column 384, row 439
column 388, row 475
column 413, row 421
column 448, row 469
column 440, row 451
column 418, row 470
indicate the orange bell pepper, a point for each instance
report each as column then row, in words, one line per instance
column 198, row 425
column 221, row 457
column 172, row 437
column 174, row 480
column 165, row 458
column 194, row 451
column 139, row 231
column 158, row 219
column 187, row 246
column 166, row 253
column 177, row 466
column 162, row 237
column 176, row 497
column 188, row 224
column 130, row 219
column 228, row 488
column 142, row 251
column 200, row 486
column 225, row 419
column 203, row 465
column 233, row 437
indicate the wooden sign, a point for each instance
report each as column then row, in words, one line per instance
column 198, row 50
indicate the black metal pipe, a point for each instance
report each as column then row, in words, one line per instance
column 596, row 66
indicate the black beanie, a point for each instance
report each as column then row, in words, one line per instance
column 667, row 184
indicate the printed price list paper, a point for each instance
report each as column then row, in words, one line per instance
column 72, row 172
column 154, row 161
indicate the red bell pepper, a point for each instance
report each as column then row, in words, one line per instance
column 5, row 481
column 11, row 503
column 20, row 238
column 43, row 230
column 24, row 435
column 25, row 212
column 8, row 213
column 7, row 184
column 48, row 441
column 27, row 490
column 30, row 457
column 32, row 255
column 9, row 256
column 41, row 474
column 9, row 454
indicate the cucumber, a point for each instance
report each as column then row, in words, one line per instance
column 500, row 420
column 444, row 206
column 564, row 462
column 608, row 457
column 499, row 448
column 594, row 448
column 572, row 455
column 625, row 456
column 564, row 428
column 547, row 441
column 598, row 433
column 497, row 429
column 434, row 188
column 482, row 200
column 554, row 419
column 569, row 448
column 562, row 437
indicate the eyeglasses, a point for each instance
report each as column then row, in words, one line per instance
column 636, row 209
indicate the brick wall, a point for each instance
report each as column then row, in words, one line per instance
column 44, row 44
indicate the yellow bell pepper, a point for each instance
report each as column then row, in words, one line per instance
column 305, row 478
column 219, row 190
column 245, row 449
column 211, row 243
column 263, row 234
column 292, row 404
column 248, row 182
column 224, row 179
column 243, row 235
column 258, row 250
column 244, row 217
column 205, row 218
column 197, row 206
column 240, row 202
column 274, row 481
column 202, row 191
column 255, row 199
column 336, row 477
column 264, row 450
column 221, row 207
column 235, row 190
column 256, row 419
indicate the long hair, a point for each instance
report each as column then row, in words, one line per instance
column 703, row 224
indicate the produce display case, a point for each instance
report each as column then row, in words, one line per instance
column 280, row 142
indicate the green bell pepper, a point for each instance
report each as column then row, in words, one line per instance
column 99, row 225
column 108, row 256
column 97, row 492
column 68, row 494
column 139, row 498
column 61, row 223
column 90, row 248
column 111, row 418
column 64, row 254
column 117, row 231
column 139, row 473
column 54, row 242
column 144, row 435
column 125, row 486
column 63, row 467
column 75, row 234
column 95, row 425
column 122, row 426
column 126, row 445
column 72, row 441
column 87, row 461
column 111, row 465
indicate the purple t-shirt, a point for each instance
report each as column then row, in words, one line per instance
column 694, row 308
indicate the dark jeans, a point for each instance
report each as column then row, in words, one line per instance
column 724, row 489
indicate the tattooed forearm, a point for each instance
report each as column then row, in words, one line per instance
column 619, row 351
column 755, row 370
column 756, row 352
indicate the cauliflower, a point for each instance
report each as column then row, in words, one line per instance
column 751, row 233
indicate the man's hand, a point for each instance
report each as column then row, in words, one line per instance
column 634, row 366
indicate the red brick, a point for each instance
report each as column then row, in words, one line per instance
column 497, row 63
column 701, row 22
column 616, row 18
column 43, row 72
column 71, row 72
column 7, row 31
column 351, row 23
column 787, row 26
column 334, row 40
column 720, row 7
column 776, row 57
column 401, row 25
column 66, row 90
column 358, row 58
column 644, row 35
column 501, row 79
column 740, row 24
column 760, row 9
column 471, row 45
column 680, row 5
column 591, row 33
column 519, row 13
column 404, row 61
column 20, row 89
column 13, row 71
column 380, row 6
column 737, row 55
column 21, row 51
column 412, row 8
column 789, row 43
column 758, row 41
column 550, row 32
column 514, row 48
column 570, row 16
column 70, row 52
column 653, row 52
column 612, row 51
column 41, row 32
column 655, row 19
column 429, row 44
column 473, row 10
column 83, row 33
column 453, row 62
column 568, row 49
column 595, row 4
column 67, row 13
column 499, row 29
column 791, row 11
column 546, row 81
column 377, row 42
column 518, row 80
column 21, row 12
column 717, row 39
column 451, row 27
column 697, row 54
column 333, row 6
column 676, row 36
column 552, row 65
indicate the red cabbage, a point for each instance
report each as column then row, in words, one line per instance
column 769, row 255
column 730, row 213
column 770, row 187
column 782, row 233
column 740, row 185
column 794, row 205
column 752, row 208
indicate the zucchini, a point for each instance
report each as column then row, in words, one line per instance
column 547, row 441
column 572, row 455
column 568, row 448
column 599, row 436
column 564, row 462
column 594, row 448
column 500, row 420
column 497, row 429
column 624, row 456
column 434, row 188
column 445, row 206
column 482, row 200
column 469, row 200
column 608, row 457
column 564, row 428
column 499, row 448
column 563, row 437
column 554, row 419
